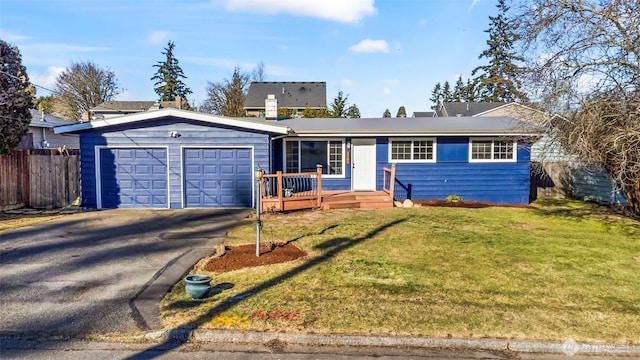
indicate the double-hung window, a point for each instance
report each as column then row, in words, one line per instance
column 492, row 150
column 306, row 155
column 412, row 150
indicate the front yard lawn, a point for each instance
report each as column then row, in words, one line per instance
column 555, row 271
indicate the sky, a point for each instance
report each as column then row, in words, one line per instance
column 383, row 54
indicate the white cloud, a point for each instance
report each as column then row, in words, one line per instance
column 9, row 36
column 386, row 90
column 158, row 36
column 45, row 80
column 345, row 11
column 348, row 82
column 369, row 46
column 473, row 4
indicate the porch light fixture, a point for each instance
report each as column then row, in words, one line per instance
column 174, row 134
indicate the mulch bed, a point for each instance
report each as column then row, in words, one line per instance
column 243, row 256
column 464, row 204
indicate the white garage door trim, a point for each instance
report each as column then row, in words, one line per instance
column 182, row 170
column 97, row 150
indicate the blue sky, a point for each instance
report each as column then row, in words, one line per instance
column 383, row 53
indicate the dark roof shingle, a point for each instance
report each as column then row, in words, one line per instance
column 289, row 94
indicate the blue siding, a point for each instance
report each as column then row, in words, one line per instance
column 500, row 183
column 452, row 149
column 155, row 133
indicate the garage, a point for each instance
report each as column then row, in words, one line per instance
column 172, row 159
column 133, row 178
column 217, row 177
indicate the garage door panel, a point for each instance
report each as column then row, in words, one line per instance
column 217, row 177
column 134, row 178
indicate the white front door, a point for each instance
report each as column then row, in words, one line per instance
column 363, row 164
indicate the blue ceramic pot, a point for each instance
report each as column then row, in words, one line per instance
column 197, row 285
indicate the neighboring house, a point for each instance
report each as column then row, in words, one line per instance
column 111, row 109
column 41, row 136
column 181, row 159
column 424, row 114
column 451, row 109
column 294, row 96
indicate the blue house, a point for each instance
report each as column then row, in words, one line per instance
column 174, row 158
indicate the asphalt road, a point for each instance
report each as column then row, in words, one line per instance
column 101, row 271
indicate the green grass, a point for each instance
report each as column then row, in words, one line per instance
column 560, row 270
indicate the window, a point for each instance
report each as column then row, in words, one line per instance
column 422, row 150
column 305, row 155
column 492, row 150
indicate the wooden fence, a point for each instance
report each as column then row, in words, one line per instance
column 39, row 178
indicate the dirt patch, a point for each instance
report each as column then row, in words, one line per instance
column 243, row 256
column 464, row 204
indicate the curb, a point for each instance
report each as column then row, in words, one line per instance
column 569, row 347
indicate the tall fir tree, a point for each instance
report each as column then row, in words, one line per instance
column 447, row 95
column 402, row 112
column 168, row 83
column 459, row 91
column 353, row 112
column 386, row 114
column 338, row 107
column 498, row 80
column 436, row 96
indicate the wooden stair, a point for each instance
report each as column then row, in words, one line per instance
column 357, row 200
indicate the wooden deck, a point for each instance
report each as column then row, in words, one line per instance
column 287, row 192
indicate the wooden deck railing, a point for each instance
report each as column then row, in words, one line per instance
column 291, row 191
column 389, row 180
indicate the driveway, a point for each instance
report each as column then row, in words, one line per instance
column 102, row 271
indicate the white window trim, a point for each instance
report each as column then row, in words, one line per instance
column 329, row 176
column 435, row 143
column 492, row 139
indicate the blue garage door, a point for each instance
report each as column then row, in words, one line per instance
column 133, row 178
column 217, row 177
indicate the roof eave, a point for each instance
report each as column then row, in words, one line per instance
column 157, row 114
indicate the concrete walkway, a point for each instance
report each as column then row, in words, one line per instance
column 102, row 271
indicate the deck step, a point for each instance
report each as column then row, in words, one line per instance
column 357, row 204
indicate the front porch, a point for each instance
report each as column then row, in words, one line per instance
column 296, row 191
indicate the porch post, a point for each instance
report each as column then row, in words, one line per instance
column 392, row 180
column 319, row 183
column 280, row 199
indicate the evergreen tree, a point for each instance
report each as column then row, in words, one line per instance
column 447, row 96
column 401, row 112
column 353, row 112
column 459, row 91
column 43, row 103
column 498, row 81
column 168, row 83
column 436, row 96
column 315, row 113
column 16, row 98
column 387, row 114
column 338, row 108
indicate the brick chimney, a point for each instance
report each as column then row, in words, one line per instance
column 271, row 107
